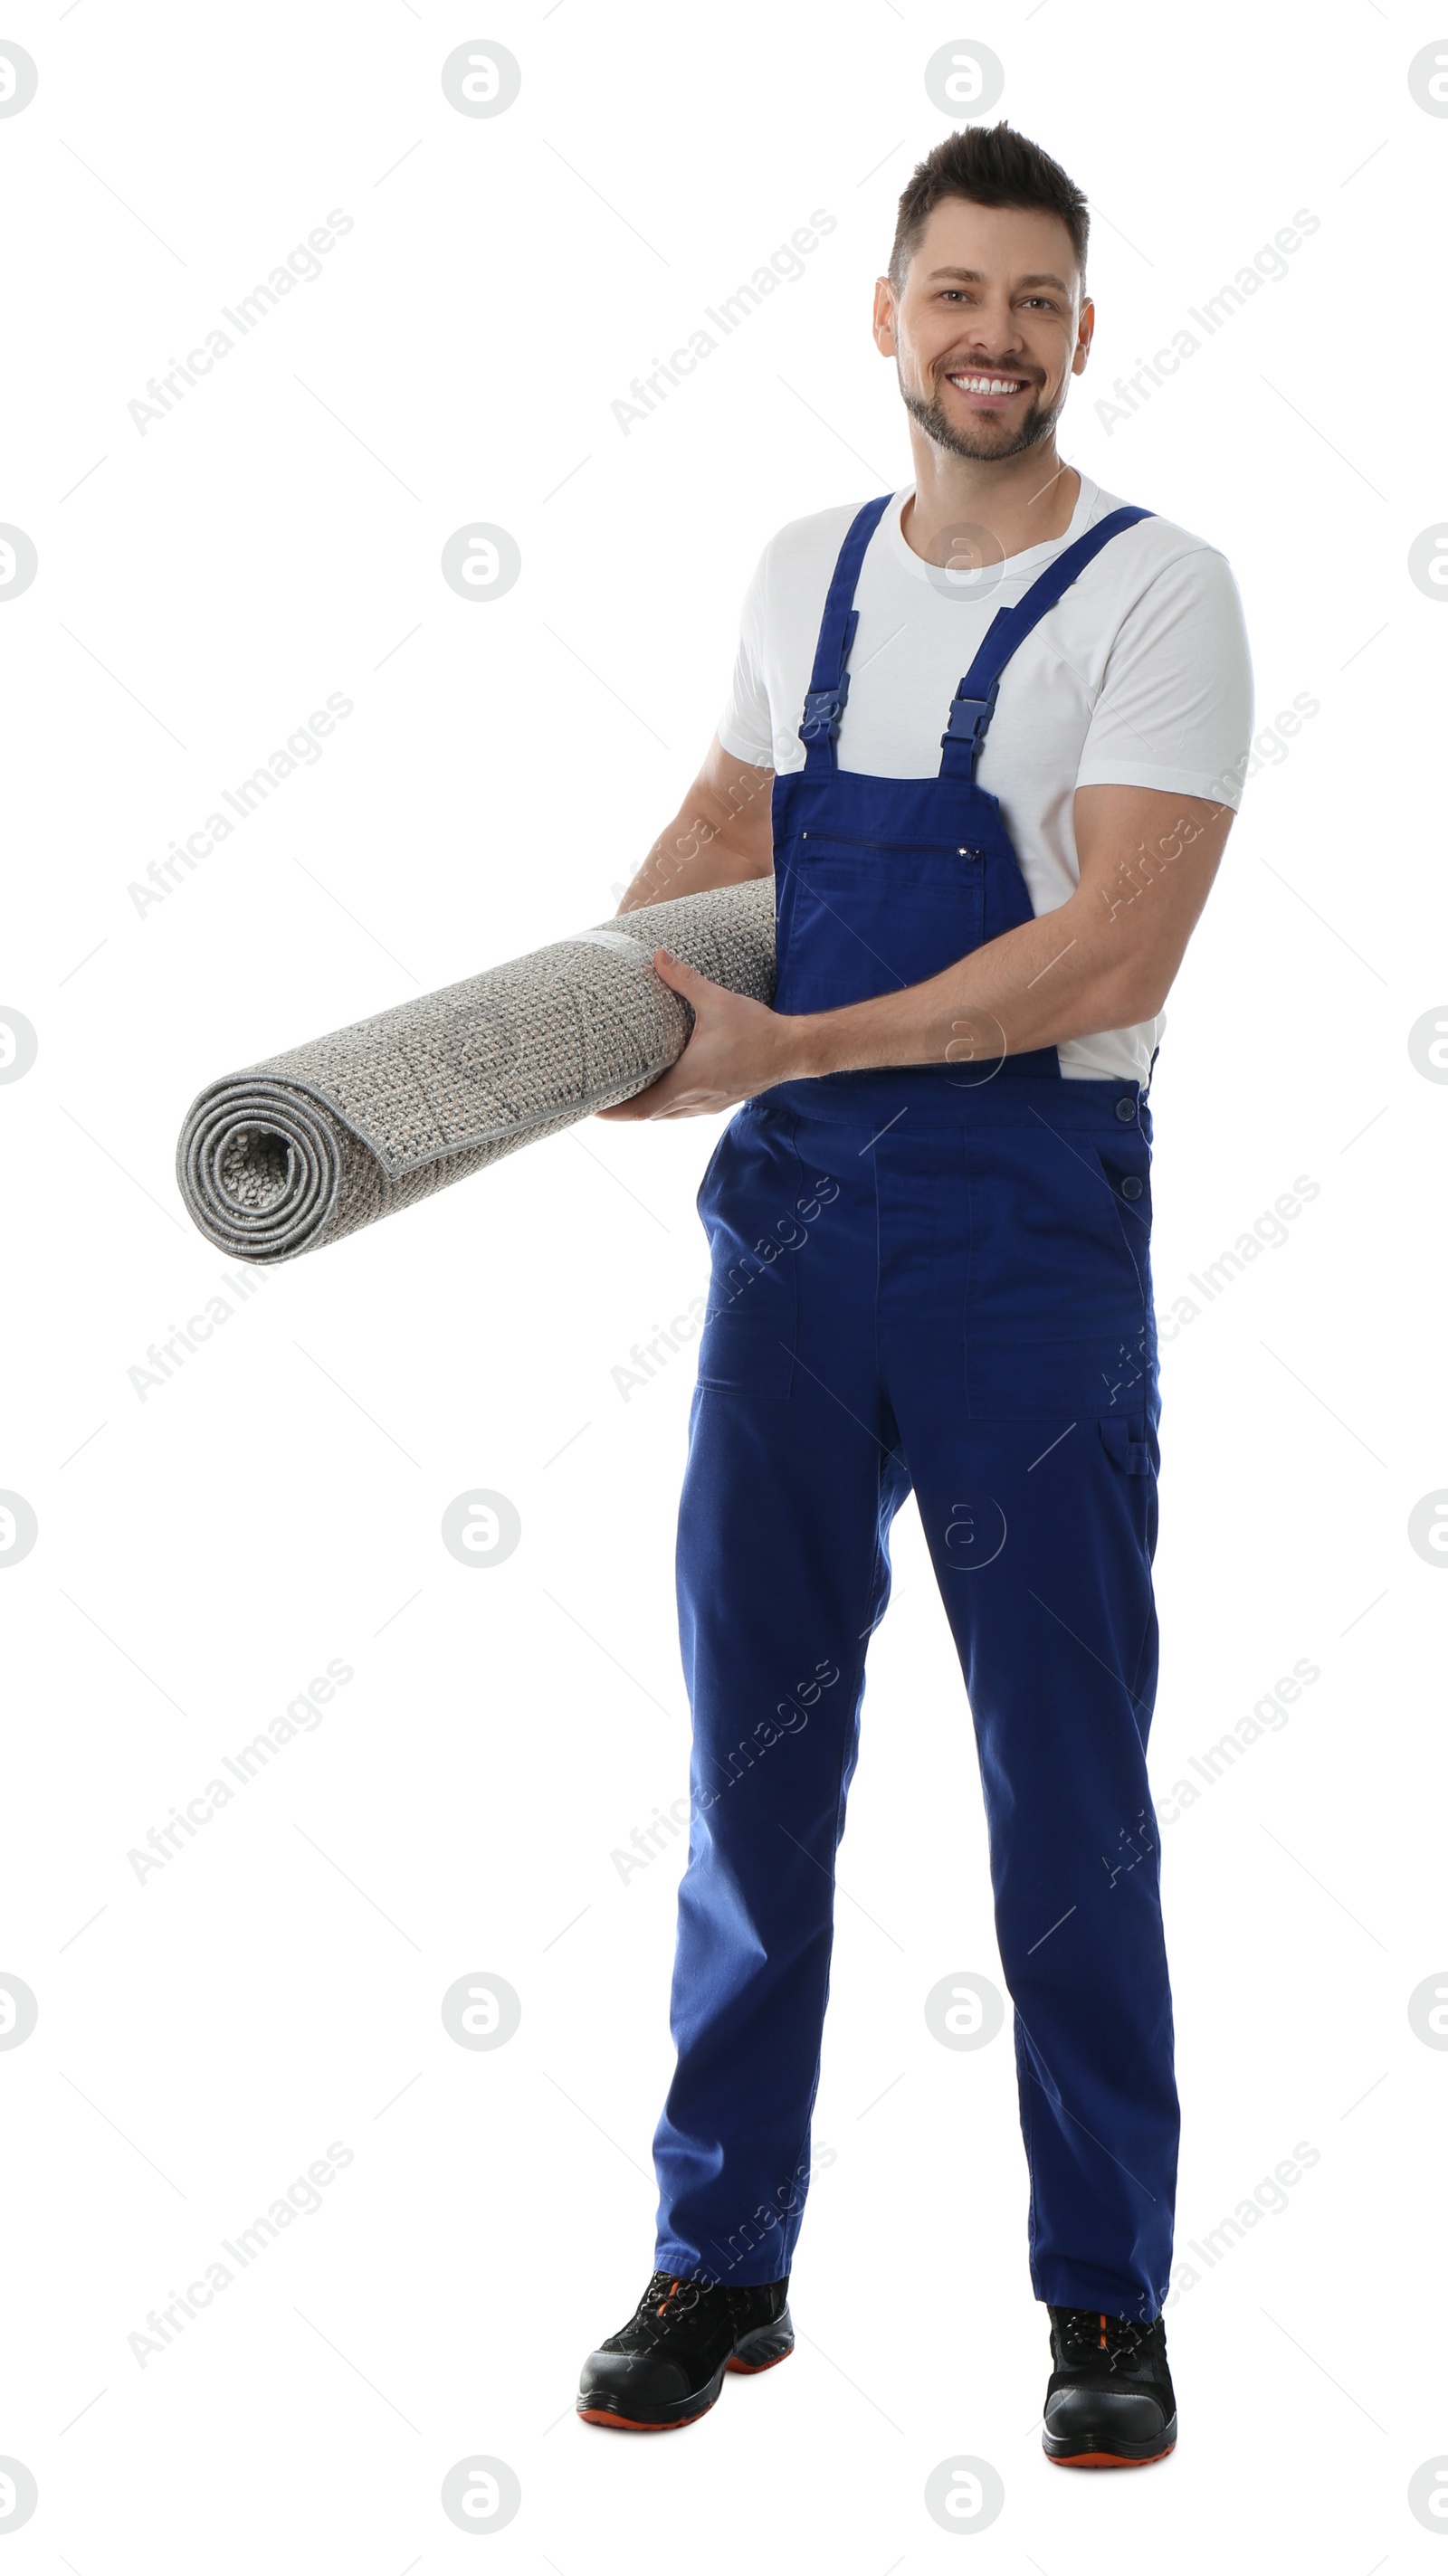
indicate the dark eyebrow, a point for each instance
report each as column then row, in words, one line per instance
column 974, row 277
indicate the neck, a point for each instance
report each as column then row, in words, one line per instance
column 1020, row 501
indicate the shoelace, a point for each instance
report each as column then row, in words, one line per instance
column 668, row 2297
column 1110, row 2339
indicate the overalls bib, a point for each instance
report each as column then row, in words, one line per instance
column 882, row 882
column 931, row 1277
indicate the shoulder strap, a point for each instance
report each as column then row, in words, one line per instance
column 830, row 681
column 973, row 704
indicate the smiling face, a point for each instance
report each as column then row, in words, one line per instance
column 988, row 327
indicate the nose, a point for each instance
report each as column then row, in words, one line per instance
column 1004, row 345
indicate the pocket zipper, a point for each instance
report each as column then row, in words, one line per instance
column 856, row 841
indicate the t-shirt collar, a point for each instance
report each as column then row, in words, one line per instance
column 1027, row 561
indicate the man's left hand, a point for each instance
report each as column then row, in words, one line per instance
column 738, row 1047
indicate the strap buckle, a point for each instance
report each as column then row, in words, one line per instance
column 968, row 720
column 823, row 709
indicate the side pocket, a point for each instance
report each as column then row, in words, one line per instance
column 750, row 1352
column 747, row 1203
column 1130, row 1438
column 702, row 1192
column 1126, row 1170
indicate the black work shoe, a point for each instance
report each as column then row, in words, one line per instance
column 1109, row 2400
column 666, row 2366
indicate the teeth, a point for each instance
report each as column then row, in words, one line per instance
column 988, row 384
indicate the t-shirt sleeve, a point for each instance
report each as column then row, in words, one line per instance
column 1175, row 709
column 746, row 728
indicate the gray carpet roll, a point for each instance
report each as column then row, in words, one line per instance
column 305, row 1147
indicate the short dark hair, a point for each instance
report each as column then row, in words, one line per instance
column 993, row 166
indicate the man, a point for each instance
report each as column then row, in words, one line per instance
column 1001, row 718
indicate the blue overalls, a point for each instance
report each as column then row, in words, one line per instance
column 934, row 1276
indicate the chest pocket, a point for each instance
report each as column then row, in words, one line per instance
column 858, row 918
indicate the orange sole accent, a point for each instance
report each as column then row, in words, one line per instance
column 626, row 2424
column 1107, row 2459
column 752, row 2369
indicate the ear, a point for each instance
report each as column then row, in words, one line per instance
column 882, row 320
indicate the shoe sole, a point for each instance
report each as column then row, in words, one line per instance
column 1107, row 2459
column 617, row 2423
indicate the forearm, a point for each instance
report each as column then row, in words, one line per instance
column 1060, row 976
column 712, row 841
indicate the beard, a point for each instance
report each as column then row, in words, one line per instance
column 984, row 444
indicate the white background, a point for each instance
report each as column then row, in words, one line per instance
column 203, row 1552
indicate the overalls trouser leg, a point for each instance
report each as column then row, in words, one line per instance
column 932, row 1277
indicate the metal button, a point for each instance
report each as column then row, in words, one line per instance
column 1126, row 1112
column 1131, row 1187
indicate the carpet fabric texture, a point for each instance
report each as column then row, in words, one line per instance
column 305, row 1147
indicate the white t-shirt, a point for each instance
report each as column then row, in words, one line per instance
column 1139, row 677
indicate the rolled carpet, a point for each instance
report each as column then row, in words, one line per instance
column 305, row 1147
